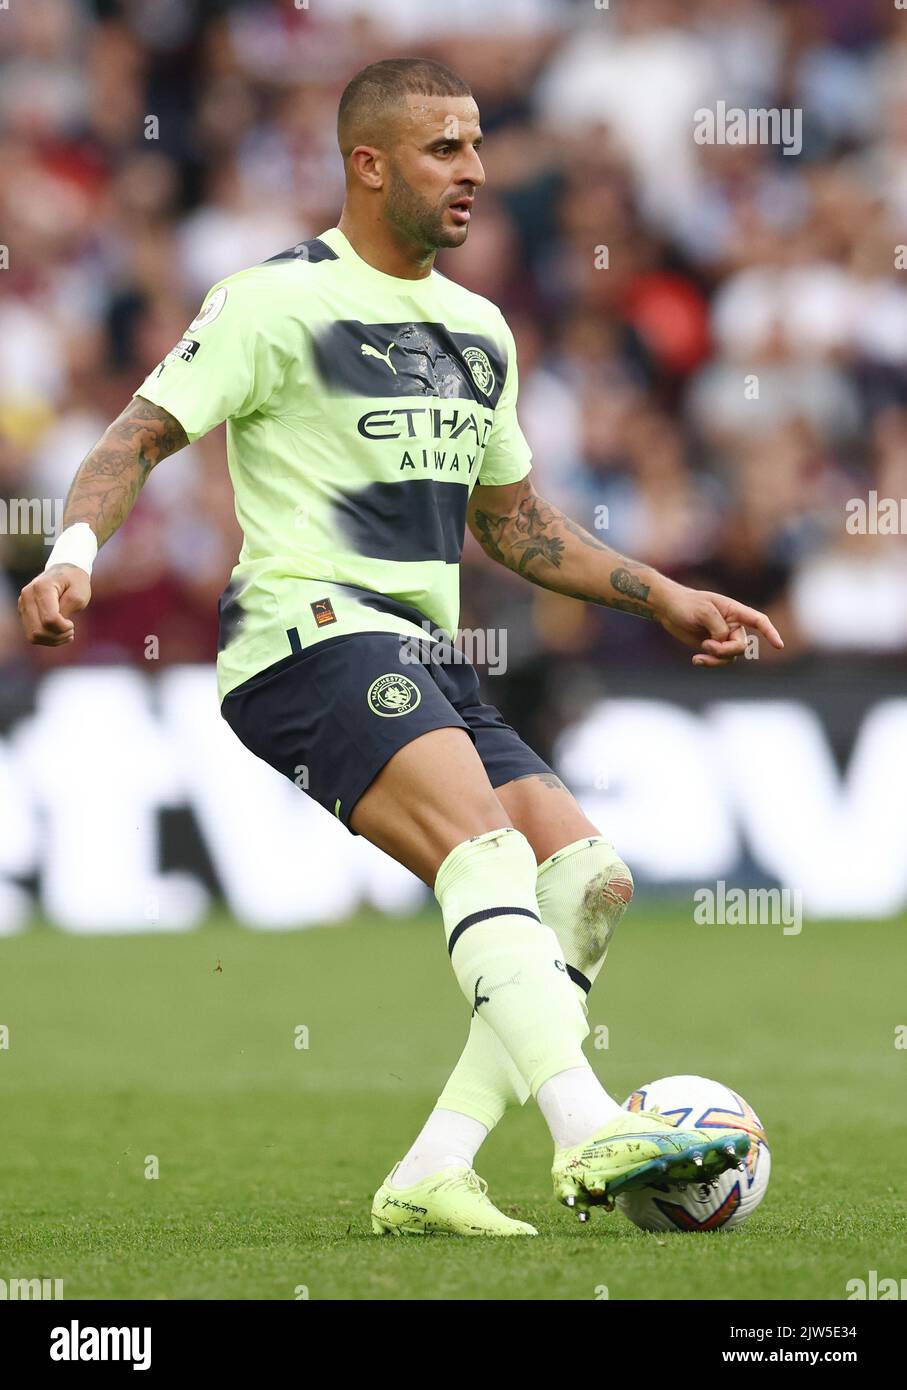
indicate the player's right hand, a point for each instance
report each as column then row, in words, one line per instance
column 47, row 603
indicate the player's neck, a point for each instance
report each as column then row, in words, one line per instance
column 376, row 244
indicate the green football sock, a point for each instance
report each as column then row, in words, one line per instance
column 582, row 892
column 484, row 1081
column 507, row 962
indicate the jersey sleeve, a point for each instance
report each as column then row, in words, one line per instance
column 507, row 457
column 228, row 363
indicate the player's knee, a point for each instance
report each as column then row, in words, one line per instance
column 605, row 898
column 617, row 887
column 608, row 888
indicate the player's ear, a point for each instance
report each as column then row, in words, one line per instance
column 368, row 165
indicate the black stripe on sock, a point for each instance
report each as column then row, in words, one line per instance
column 579, row 978
column 483, row 916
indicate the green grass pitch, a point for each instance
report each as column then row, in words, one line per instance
column 183, row 1047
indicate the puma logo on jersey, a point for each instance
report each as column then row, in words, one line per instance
column 369, row 351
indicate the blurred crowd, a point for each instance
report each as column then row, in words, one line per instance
column 712, row 337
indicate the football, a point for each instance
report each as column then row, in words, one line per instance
column 722, row 1205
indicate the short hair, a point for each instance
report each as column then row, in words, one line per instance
column 379, row 90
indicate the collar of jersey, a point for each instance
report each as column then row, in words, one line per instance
column 335, row 238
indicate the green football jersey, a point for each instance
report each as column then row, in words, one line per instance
column 361, row 410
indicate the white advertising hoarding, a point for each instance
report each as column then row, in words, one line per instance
column 685, row 796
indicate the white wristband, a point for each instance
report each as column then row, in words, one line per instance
column 77, row 545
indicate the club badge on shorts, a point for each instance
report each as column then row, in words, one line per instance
column 393, row 694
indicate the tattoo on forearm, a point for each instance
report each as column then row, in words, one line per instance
column 583, row 535
column 639, row 610
column 622, row 605
column 623, row 582
column 489, row 530
column 528, row 535
column 533, row 541
column 106, row 487
column 516, row 541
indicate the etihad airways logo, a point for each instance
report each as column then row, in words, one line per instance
column 441, row 423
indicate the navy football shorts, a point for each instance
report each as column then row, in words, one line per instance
column 330, row 717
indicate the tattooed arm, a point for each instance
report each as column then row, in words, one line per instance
column 103, row 493
column 532, row 537
column 108, row 483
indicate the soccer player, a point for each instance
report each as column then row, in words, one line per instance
column 371, row 415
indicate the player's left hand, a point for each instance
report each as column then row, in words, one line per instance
column 716, row 625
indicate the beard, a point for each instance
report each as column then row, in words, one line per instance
column 417, row 220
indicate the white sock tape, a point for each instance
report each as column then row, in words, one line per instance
column 77, row 545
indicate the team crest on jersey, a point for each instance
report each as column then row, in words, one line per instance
column 210, row 310
column 479, row 365
column 393, row 694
